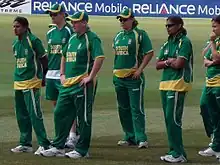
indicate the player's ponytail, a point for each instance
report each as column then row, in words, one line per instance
column 24, row 22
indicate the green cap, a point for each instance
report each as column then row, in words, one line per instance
column 56, row 8
column 126, row 13
column 78, row 16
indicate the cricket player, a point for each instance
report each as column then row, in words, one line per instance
column 57, row 38
column 212, row 62
column 176, row 60
column 133, row 51
column 80, row 64
column 31, row 60
column 204, row 104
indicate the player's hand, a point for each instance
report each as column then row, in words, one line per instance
column 62, row 79
column 136, row 74
column 170, row 60
column 208, row 63
column 213, row 36
column 85, row 81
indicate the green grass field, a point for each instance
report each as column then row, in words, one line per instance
column 106, row 127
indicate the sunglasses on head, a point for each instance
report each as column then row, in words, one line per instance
column 170, row 25
column 123, row 19
column 53, row 14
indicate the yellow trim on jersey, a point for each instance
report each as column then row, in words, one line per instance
column 122, row 73
column 175, row 85
column 213, row 82
column 74, row 80
column 28, row 84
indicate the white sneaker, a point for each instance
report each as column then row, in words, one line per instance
column 75, row 155
column 20, row 149
column 53, row 152
column 163, row 157
column 124, row 143
column 39, row 150
column 143, row 145
column 171, row 159
column 209, row 152
column 71, row 142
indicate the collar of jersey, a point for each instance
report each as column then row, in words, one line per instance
column 128, row 31
column 176, row 37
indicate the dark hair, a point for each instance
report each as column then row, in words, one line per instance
column 216, row 19
column 24, row 22
column 178, row 21
column 135, row 23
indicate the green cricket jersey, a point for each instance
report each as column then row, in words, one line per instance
column 28, row 70
column 57, row 39
column 213, row 72
column 177, row 79
column 130, row 47
column 80, row 54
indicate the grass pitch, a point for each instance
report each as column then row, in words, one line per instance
column 106, row 127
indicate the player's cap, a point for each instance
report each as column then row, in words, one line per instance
column 126, row 13
column 78, row 16
column 56, row 8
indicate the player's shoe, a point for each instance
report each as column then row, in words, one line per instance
column 75, row 155
column 171, row 159
column 71, row 142
column 125, row 143
column 53, row 152
column 41, row 149
column 20, row 149
column 209, row 152
column 143, row 145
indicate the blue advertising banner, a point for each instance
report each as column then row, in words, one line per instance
column 143, row 8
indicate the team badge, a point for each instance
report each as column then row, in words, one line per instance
column 166, row 52
column 129, row 41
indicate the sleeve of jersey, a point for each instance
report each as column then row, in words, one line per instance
column 146, row 43
column 39, row 48
column 185, row 50
column 96, row 49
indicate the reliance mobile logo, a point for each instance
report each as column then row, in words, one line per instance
column 182, row 9
column 164, row 9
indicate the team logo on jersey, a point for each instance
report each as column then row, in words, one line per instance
column 49, row 41
column 26, row 51
column 64, row 40
column 129, row 41
column 166, row 52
